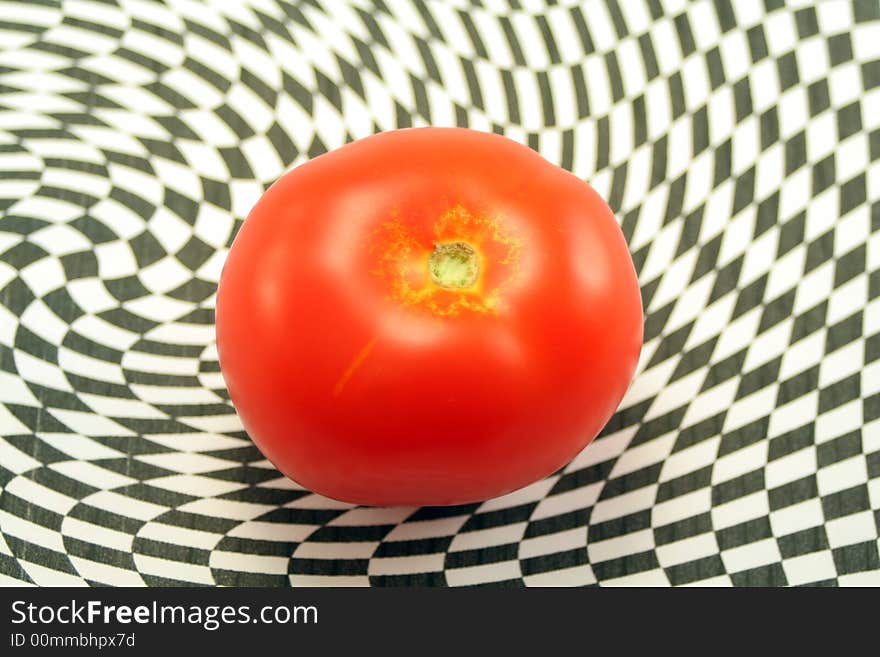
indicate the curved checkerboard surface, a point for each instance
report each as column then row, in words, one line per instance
column 738, row 144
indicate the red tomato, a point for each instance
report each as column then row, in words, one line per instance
column 427, row 316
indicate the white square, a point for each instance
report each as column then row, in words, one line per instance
column 202, row 156
column 740, row 510
column 794, row 414
column 809, row 568
column 60, row 239
column 169, row 229
column 797, row 517
column 834, row 17
column 780, row 31
column 794, row 194
column 768, row 346
column 821, row 136
column 737, row 238
column 786, row 272
column 89, row 367
column 656, row 577
column 869, row 578
column 43, row 275
column 164, row 275
column 104, row 333
column 740, row 462
column 688, row 549
column 847, row 298
column 770, row 171
column 178, row 177
column 121, row 219
column 246, row 103
column 577, row 576
column 840, row 420
column 760, row 254
column 852, row 231
column 758, row 405
column 812, row 56
column 791, row 467
column 45, row 323
column 842, row 475
column 793, row 107
column 159, row 308
column 213, row 225
column 871, row 379
column 734, row 48
column 36, row 370
column 874, row 484
column 263, row 158
column 115, row 260
column 814, row 288
column 855, row 528
column 842, row 363
column 681, row 507
column 851, row 158
column 690, row 459
column 708, row 31
column 744, row 141
column 751, row 555
column 845, row 84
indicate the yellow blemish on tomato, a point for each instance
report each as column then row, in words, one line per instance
column 403, row 255
column 353, row 367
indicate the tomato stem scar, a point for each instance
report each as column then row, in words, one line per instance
column 454, row 265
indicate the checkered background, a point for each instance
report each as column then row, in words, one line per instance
column 738, row 144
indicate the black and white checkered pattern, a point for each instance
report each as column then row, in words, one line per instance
column 738, row 143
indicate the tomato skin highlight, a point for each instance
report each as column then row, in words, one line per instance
column 363, row 378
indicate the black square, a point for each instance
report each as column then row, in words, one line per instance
column 823, row 174
column 840, row 392
column 82, row 264
column 216, row 193
column 849, row 120
column 803, row 542
column 850, row 265
column 757, row 43
column 786, row 68
column 23, row 254
column 733, row 489
column 769, row 575
column 809, row 322
column 795, row 152
column 853, row 193
column 792, row 234
column 819, row 97
column 806, row 21
column 839, row 449
column 840, row 49
column 694, row 571
column 147, row 249
column 798, row 385
column 821, row 250
column 194, row 253
column 871, row 74
column 126, row 288
column 858, row 558
column 843, row 332
column 777, row 310
column 793, row 493
column 846, row 502
column 872, row 348
column 750, row 531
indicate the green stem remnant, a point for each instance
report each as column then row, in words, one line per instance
column 454, row 265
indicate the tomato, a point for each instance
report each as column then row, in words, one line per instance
column 427, row 316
